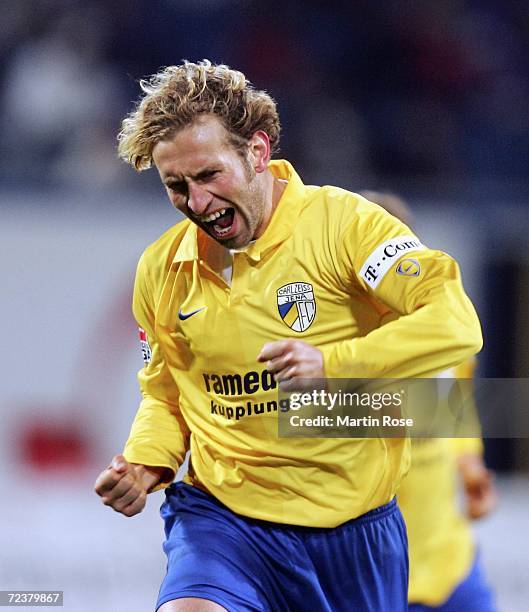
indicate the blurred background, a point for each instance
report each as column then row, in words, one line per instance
column 425, row 99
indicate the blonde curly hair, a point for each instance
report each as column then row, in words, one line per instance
column 176, row 95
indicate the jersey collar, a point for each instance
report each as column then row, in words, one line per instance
column 279, row 229
column 287, row 211
column 188, row 247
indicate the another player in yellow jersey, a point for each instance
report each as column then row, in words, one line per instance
column 445, row 571
column 270, row 280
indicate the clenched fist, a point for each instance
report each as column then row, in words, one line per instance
column 124, row 486
column 291, row 359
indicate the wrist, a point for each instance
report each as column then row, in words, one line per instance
column 150, row 476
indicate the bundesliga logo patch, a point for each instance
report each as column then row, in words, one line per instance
column 409, row 267
column 145, row 348
column 296, row 305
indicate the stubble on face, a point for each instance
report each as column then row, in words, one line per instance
column 250, row 205
column 250, row 208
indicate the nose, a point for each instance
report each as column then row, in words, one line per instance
column 198, row 198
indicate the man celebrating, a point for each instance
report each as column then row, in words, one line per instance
column 270, row 280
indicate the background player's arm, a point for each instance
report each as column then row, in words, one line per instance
column 480, row 492
column 435, row 325
column 478, row 485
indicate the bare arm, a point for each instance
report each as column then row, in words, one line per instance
column 478, row 483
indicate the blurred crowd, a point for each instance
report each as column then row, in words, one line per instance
column 368, row 92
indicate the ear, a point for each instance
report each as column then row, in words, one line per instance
column 259, row 151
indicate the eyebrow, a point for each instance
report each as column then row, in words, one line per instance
column 171, row 180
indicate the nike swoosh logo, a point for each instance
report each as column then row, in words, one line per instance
column 183, row 316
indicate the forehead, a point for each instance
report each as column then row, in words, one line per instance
column 202, row 143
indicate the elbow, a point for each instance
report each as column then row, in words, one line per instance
column 469, row 336
column 475, row 334
column 478, row 340
column 475, row 341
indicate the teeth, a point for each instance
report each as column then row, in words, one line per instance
column 213, row 216
column 222, row 230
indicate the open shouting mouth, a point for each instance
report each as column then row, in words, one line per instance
column 221, row 223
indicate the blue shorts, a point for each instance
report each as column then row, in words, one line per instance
column 473, row 593
column 251, row 565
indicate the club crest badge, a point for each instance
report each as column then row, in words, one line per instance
column 296, row 305
column 409, row 267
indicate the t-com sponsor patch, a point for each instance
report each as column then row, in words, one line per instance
column 385, row 255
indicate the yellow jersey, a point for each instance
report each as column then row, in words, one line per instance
column 441, row 546
column 330, row 269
